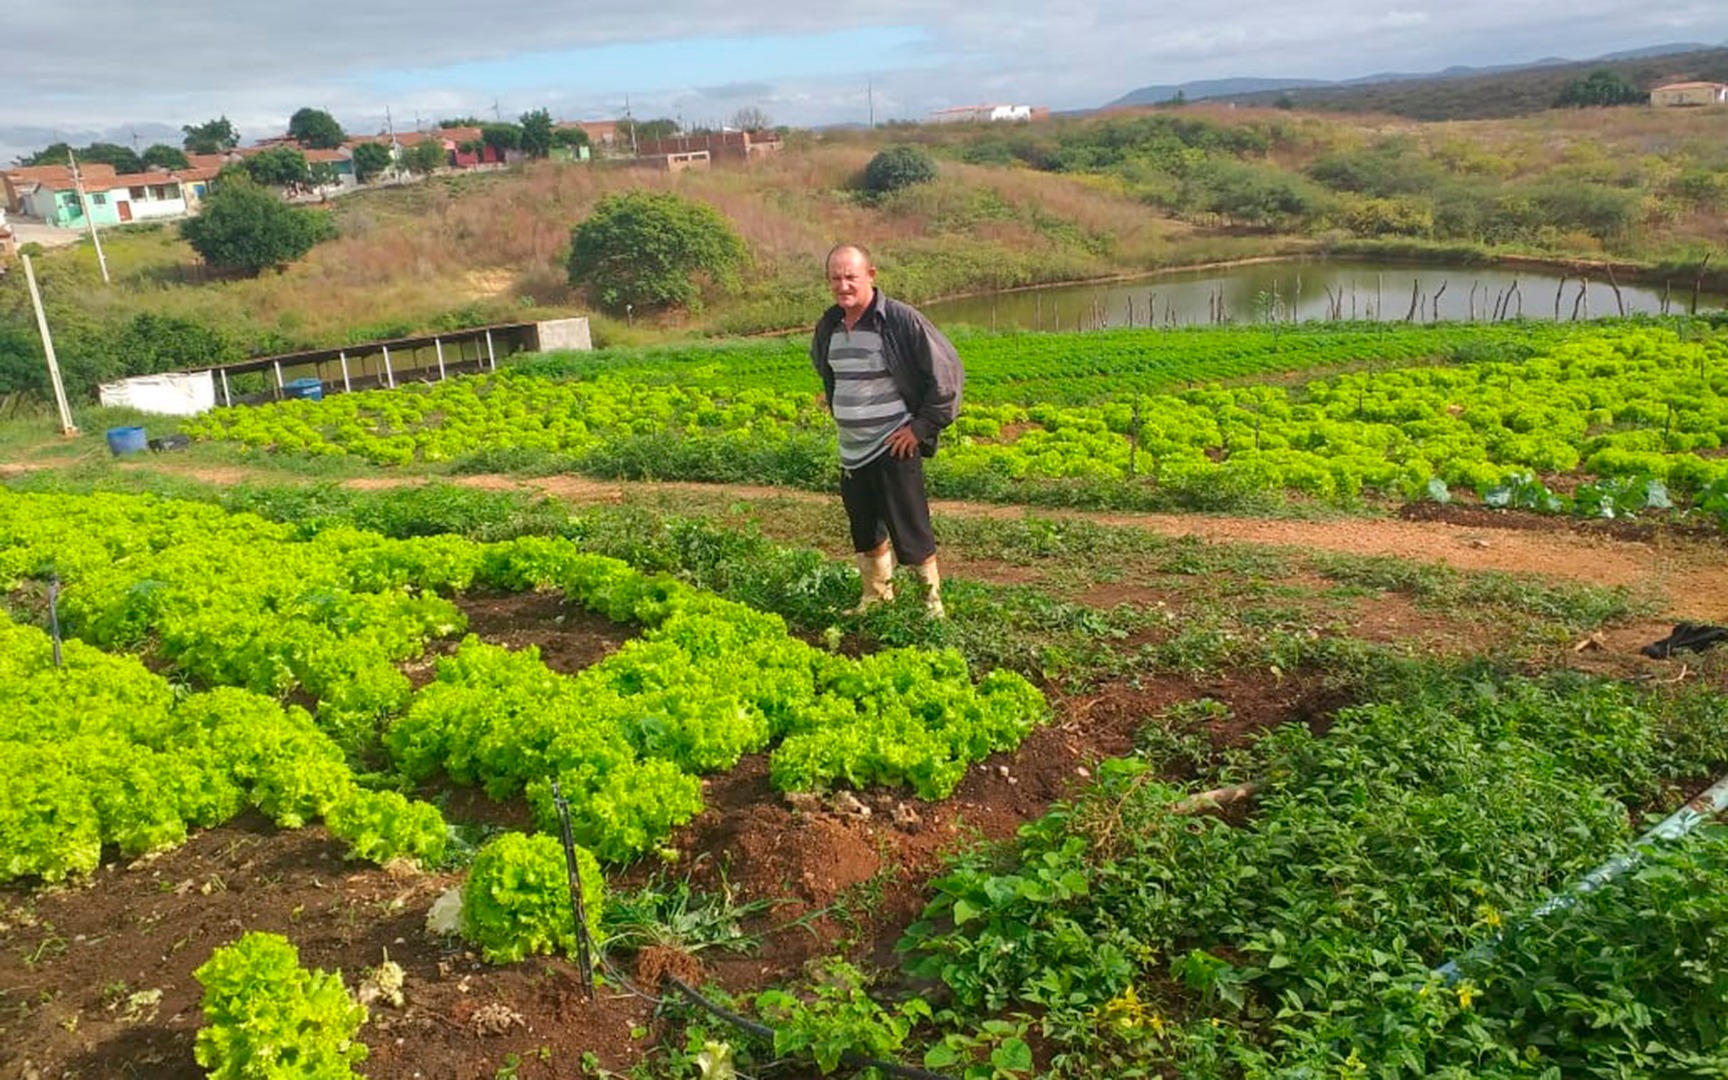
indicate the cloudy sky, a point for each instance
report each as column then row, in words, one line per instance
column 115, row 69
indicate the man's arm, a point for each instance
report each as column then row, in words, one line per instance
column 819, row 359
column 939, row 364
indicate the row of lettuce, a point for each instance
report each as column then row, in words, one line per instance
column 1616, row 417
column 256, row 614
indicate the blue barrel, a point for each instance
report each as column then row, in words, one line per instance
column 126, row 440
column 310, row 389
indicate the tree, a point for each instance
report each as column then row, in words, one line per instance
column 569, row 136
column 315, row 129
column 120, row 157
column 425, row 156
column 648, row 130
column 211, row 137
column 123, row 158
column 644, row 249
column 751, row 119
column 898, row 167
column 152, row 343
column 502, row 138
column 279, row 166
column 1601, row 87
column 460, row 122
column 536, row 133
column 163, row 156
column 370, row 159
column 52, row 154
column 246, row 228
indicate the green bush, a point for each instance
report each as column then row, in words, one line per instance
column 644, row 250
column 898, row 167
column 266, row 1017
column 246, row 228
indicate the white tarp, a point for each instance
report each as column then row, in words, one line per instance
column 172, row 393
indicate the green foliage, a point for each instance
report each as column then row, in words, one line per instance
column 898, row 167
column 246, row 228
column 516, row 902
column 23, row 368
column 663, row 127
column 1305, row 935
column 424, row 157
column 279, row 166
column 151, row 343
column 370, row 159
column 160, row 155
column 1601, row 87
column 122, row 158
column 839, row 1020
column 501, row 137
column 643, row 249
column 211, row 137
column 315, row 129
column 267, row 1018
column 536, row 127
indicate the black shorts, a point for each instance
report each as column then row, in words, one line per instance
column 885, row 500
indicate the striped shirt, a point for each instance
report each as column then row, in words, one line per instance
column 867, row 407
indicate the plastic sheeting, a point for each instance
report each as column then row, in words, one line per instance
column 172, row 393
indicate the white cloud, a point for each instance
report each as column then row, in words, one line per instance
column 184, row 61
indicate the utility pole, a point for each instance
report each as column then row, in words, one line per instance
column 496, row 115
column 84, row 205
column 66, row 425
column 870, row 94
column 632, row 123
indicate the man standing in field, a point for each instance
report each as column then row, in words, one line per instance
column 892, row 383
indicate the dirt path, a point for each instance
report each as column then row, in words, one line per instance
column 1688, row 574
column 1691, row 574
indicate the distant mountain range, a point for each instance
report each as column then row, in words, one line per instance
column 1236, row 87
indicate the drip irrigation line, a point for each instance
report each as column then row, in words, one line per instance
column 54, row 615
column 1698, row 809
column 586, row 953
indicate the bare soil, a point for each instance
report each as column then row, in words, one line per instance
column 846, row 872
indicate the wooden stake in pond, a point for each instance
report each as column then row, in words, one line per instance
column 1698, row 282
column 1667, row 283
column 1415, row 285
column 1619, row 301
column 1472, row 314
column 1559, row 287
column 1579, row 299
column 1437, row 295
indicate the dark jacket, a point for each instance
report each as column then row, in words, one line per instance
column 921, row 361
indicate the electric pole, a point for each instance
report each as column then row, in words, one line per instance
column 870, row 94
column 84, row 206
column 66, row 425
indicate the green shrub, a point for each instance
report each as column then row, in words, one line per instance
column 266, row 1017
column 644, row 249
column 898, row 167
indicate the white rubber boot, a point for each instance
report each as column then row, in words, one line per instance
column 932, row 579
column 876, row 575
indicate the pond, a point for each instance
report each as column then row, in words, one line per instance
column 1297, row 291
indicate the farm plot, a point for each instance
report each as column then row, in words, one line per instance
column 1377, row 831
column 1608, row 422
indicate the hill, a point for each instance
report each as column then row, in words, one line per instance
column 1497, row 94
column 1410, row 88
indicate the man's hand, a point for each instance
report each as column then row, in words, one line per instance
column 902, row 443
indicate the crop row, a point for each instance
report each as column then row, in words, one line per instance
column 99, row 750
column 1621, row 404
column 1076, row 368
column 1302, row 941
column 228, row 599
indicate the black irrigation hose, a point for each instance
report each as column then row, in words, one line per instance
column 742, row 1023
